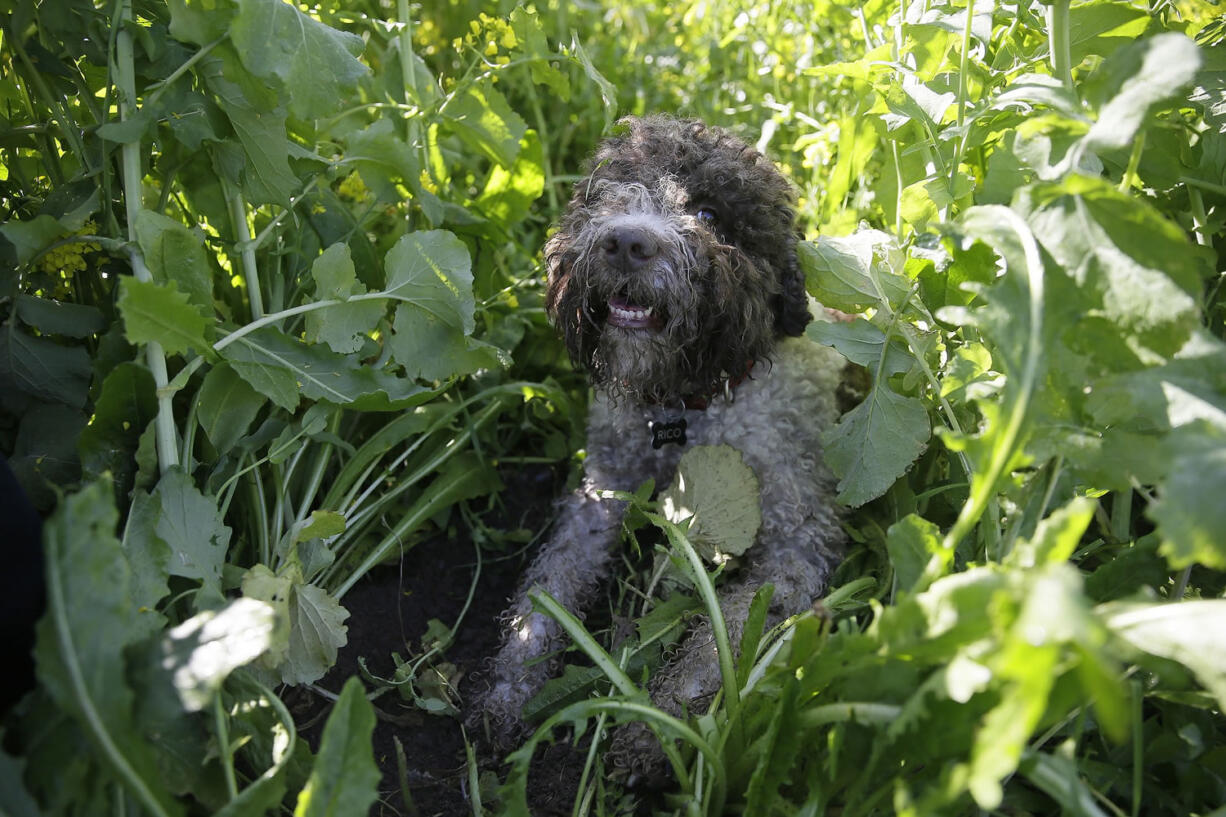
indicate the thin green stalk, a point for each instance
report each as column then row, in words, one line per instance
column 125, row 71
column 1121, row 516
column 719, row 628
column 223, row 746
column 1134, row 161
column 964, row 65
column 242, row 233
column 316, row 476
column 1059, row 42
column 1138, row 745
column 422, row 512
column 984, row 485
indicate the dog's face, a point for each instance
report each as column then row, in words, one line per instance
column 674, row 266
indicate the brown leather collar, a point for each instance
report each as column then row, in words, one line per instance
column 699, row 402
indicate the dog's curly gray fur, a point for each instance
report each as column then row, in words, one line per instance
column 672, row 274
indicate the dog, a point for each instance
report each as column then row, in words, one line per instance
column 673, row 279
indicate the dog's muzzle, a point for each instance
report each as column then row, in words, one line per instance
column 631, row 251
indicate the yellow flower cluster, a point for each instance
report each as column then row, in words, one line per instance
column 497, row 35
column 70, row 257
column 352, row 188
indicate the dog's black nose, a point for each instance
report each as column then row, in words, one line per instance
column 629, row 247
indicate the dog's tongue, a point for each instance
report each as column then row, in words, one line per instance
column 631, row 316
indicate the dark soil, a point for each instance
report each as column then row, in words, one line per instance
column 389, row 611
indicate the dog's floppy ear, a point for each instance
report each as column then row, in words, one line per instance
column 792, row 303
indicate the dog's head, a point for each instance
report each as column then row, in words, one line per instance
column 674, row 267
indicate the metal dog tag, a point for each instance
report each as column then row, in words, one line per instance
column 667, row 431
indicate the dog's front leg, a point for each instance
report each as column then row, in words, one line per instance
column 570, row 567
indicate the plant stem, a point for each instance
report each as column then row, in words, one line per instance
column 1058, row 38
column 242, row 232
column 223, row 746
column 125, row 71
column 984, row 485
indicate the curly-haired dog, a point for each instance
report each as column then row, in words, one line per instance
column 673, row 278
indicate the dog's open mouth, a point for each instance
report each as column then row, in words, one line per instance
column 626, row 315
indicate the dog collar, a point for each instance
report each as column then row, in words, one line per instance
column 672, row 431
column 726, row 386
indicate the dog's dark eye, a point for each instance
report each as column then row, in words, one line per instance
column 707, row 216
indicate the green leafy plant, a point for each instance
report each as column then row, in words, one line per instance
column 269, row 310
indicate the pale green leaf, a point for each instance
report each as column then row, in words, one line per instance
column 863, row 343
column 90, row 619
column 1191, row 632
column 322, row 525
column 853, row 272
column 718, row 493
column 1189, row 511
column 160, row 313
column 1167, row 64
column 875, row 443
column 59, row 317
column 316, row 64
column 317, row 631
column 201, row 652
column 344, row 778
column 225, row 406
column 175, row 253
column 191, row 525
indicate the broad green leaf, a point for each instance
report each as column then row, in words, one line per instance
column 343, row 327
column 718, row 493
column 382, row 158
column 201, row 652
column 317, row 631
column 875, row 443
column 509, row 192
column 1100, row 28
column 334, row 274
column 344, row 778
column 123, row 409
column 31, row 237
column 51, row 317
column 200, row 21
column 225, row 406
column 148, row 554
column 912, row 542
column 485, row 121
column 160, row 313
column 1191, row 632
column 175, row 253
column 259, row 582
column 1167, row 64
column 1057, row 536
column 258, row 118
column 433, row 271
column 191, row 524
column 322, row 525
column 42, row 369
column 1190, row 514
column 316, row 64
column 281, row 367
column 80, row 650
column 863, row 343
column 846, row 273
column 431, row 349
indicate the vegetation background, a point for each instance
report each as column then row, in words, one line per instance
column 270, row 316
